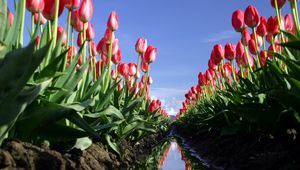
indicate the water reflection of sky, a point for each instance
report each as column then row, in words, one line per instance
column 174, row 160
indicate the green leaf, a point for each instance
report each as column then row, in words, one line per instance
column 109, row 111
column 83, row 143
column 111, row 144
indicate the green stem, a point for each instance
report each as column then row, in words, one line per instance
column 84, row 38
column 108, row 74
column 55, row 23
column 278, row 15
column 20, row 42
column 32, row 24
column 247, row 56
column 257, row 47
column 68, row 28
column 233, row 71
column 295, row 15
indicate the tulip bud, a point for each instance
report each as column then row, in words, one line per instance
column 218, row 53
column 280, row 3
column 212, row 65
column 94, row 48
column 150, row 80
column 237, row 21
column 123, row 69
column 76, row 22
column 263, row 57
column 209, row 75
column 113, row 74
column 244, row 60
column 150, row 54
column 132, row 69
column 72, row 52
column 49, row 9
column 230, row 51
column 141, row 45
column 113, row 21
column 145, row 66
column 90, row 33
column 251, row 17
column 272, row 25
column 61, row 34
column 79, row 39
column 202, row 79
column 109, row 36
column 252, row 47
column 262, row 27
column 10, row 17
column 239, row 51
column 72, row 4
column 100, row 46
column 39, row 17
column 86, row 10
column 288, row 23
column 227, row 70
column 35, row 6
column 245, row 37
column 117, row 57
column 115, row 46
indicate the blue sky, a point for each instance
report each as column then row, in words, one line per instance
column 184, row 31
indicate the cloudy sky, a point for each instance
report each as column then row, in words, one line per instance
column 184, row 31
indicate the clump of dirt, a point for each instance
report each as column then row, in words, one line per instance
column 247, row 151
column 15, row 154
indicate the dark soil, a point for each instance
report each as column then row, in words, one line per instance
column 15, row 154
column 248, row 151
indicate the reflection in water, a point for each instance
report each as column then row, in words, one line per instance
column 170, row 156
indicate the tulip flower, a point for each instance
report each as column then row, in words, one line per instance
column 101, row 45
column 209, row 75
column 251, row 17
column 113, row 21
column 237, row 21
column 227, row 70
column 263, row 57
column 280, row 3
column 145, row 66
column 141, row 45
column 72, row 52
column 244, row 60
column 49, row 9
column 117, row 57
column 35, row 6
column 218, row 52
column 272, row 25
column 132, row 69
column 39, row 17
column 79, row 40
column 245, row 37
column 76, row 22
column 288, row 23
column 90, row 33
column 10, row 17
column 123, row 69
column 230, row 51
column 212, row 65
column 86, row 10
column 150, row 54
column 115, row 46
column 61, row 34
column 262, row 27
column 252, row 47
column 202, row 79
column 72, row 4
column 109, row 36
column 239, row 51
column 93, row 48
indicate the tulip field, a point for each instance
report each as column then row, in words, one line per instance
column 61, row 90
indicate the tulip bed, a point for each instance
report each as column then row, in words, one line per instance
column 250, row 88
column 50, row 93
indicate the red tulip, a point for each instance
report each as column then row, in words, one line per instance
column 244, row 60
column 109, row 36
column 98, row 69
column 280, row 3
column 230, row 51
column 94, row 48
column 263, row 57
column 239, row 51
column 113, row 21
column 152, row 106
column 227, row 70
column 123, row 69
column 35, row 6
column 72, row 52
column 209, row 75
column 245, row 37
column 237, row 20
column 79, row 40
column 10, row 17
column 76, row 22
column 117, row 57
column 262, row 27
column 86, row 10
column 61, row 34
column 132, row 69
column 150, row 54
column 252, row 47
column 145, row 66
column 90, row 33
column 202, row 79
column 141, row 45
column 251, row 17
column 115, row 47
column 39, row 16
column 218, row 52
column 212, row 65
column 272, row 25
column 288, row 23
column 72, row 4
column 49, row 9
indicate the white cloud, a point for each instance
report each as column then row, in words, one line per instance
column 219, row 36
column 171, row 98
